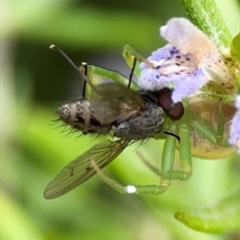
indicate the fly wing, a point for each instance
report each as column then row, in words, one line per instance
column 80, row 169
column 114, row 102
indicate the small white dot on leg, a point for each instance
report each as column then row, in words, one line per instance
column 131, row 189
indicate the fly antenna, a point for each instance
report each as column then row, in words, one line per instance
column 53, row 47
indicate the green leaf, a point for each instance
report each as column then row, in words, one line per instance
column 222, row 217
column 235, row 47
column 15, row 217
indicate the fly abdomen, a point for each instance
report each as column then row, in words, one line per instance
column 75, row 113
column 79, row 116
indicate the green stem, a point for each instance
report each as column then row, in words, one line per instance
column 205, row 15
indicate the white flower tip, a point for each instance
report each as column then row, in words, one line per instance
column 178, row 31
column 131, row 189
column 180, row 24
column 237, row 102
column 163, row 30
column 181, row 33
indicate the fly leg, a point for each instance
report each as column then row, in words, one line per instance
column 129, row 189
column 166, row 173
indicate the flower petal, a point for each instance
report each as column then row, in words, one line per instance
column 190, row 62
column 235, row 126
column 172, row 67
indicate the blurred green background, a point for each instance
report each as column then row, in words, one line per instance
column 34, row 79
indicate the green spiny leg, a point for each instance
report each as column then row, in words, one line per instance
column 168, row 155
column 220, row 124
column 204, row 128
column 99, row 75
column 130, row 189
column 167, row 173
column 201, row 126
column 185, row 152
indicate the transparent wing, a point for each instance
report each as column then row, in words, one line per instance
column 80, row 169
column 114, row 102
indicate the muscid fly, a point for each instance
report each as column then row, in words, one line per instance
column 111, row 108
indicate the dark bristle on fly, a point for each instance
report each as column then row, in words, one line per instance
column 174, row 111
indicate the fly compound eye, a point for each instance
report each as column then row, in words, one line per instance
column 174, row 110
column 164, row 98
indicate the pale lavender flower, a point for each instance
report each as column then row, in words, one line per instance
column 189, row 85
column 188, row 62
column 172, row 67
column 235, row 126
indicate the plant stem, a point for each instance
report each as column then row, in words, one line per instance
column 205, row 14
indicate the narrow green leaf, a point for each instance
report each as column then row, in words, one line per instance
column 222, row 217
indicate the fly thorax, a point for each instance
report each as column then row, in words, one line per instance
column 143, row 125
column 122, row 130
